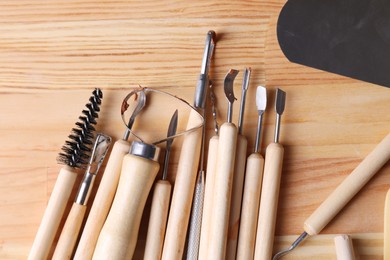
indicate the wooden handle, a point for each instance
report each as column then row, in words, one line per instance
column 222, row 192
column 157, row 220
column 344, row 248
column 386, row 235
column 70, row 232
column 235, row 207
column 348, row 188
column 53, row 214
column 179, row 213
column 269, row 201
column 102, row 202
column 250, row 207
column 118, row 237
column 208, row 196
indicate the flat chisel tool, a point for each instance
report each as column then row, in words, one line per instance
column 179, row 213
column 107, row 187
column 71, row 229
column 270, row 188
column 209, row 185
column 238, row 176
column 223, row 178
column 160, row 203
column 252, row 188
column 346, row 190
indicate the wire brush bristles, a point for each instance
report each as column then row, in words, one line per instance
column 77, row 150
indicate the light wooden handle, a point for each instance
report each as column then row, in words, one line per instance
column 235, row 206
column 250, row 207
column 348, row 188
column 179, row 213
column 102, row 202
column 222, row 192
column 70, row 232
column 53, row 214
column 157, row 220
column 118, row 237
column 208, row 196
column 269, row 201
column 386, row 235
column 344, row 248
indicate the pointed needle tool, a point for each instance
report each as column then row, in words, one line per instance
column 160, row 203
column 346, row 190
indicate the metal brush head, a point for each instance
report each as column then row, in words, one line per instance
column 77, row 150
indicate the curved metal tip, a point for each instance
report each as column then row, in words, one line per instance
column 212, row 34
column 293, row 245
column 171, row 132
column 228, row 85
column 141, row 97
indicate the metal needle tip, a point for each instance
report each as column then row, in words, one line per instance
column 293, row 245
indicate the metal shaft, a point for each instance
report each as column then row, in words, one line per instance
column 258, row 133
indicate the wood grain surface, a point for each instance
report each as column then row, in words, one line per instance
column 53, row 53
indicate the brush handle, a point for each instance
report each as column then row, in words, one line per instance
column 269, row 201
column 179, row 213
column 222, row 192
column 344, row 248
column 102, row 202
column 208, row 196
column 118, row 237
column 250, row 206
column 386, row 233
column 235, row 208
column 157, row 220
column 70, row 232
column 348, row 188
column 53, row 214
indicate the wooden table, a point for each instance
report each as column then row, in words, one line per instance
column 53, row 53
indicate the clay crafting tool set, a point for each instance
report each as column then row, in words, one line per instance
column 224, row 207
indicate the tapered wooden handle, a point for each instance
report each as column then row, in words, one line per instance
column 157, row 220
column 344, row 248
column 236, row 199
column 250, row 207
column 70, row 232
column 53, row 214
column 102, row 202
column 386, row 235
column 269, row 201
column 118, row 237
column 208, row 196
column 179, row 212
column 348, row 188
column 222, row 192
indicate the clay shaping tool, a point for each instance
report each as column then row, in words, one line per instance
column 270, row 187
column 223, row 177
column 106, row 191
column 252, row 187
column 209, row 185
column 118, row 237
column 337, row 200
column 160, row 203
column 71, row 229
column 238, row 176
column 179, row 213
column 75, row 155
